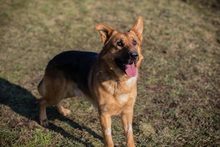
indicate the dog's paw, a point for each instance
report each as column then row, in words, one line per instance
column 66, row 112
column 131, row 144
column 44, row 122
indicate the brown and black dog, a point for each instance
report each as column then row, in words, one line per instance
column 108, row 79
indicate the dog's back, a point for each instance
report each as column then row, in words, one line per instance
column 74, row 65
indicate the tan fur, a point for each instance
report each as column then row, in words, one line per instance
column 112, row 91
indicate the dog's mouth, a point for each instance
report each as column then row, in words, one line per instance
column 129, row 68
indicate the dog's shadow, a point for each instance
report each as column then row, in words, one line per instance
column 24, row 103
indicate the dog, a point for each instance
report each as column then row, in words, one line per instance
column 108, row 79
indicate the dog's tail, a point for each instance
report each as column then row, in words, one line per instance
column 40, row 87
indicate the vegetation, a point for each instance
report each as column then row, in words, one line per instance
column 211, row 4
column 178, row 101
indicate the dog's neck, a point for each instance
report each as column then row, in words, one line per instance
column 112, row 81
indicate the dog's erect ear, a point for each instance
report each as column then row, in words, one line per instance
column 105, row 31
column 138, row 28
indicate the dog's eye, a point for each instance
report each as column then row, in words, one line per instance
column 134, row 42
column 120, row 44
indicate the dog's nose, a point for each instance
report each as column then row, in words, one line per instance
column 133, row 54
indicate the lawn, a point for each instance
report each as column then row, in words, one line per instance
column 178, row 102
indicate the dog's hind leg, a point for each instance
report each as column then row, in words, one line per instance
column 43, row 115
column 62, row 110
column 69, row 91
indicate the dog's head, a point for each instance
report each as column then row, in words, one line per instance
column 122, row 51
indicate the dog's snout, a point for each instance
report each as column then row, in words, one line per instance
column 133, row 54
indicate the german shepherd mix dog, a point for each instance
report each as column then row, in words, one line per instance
column 107, row 79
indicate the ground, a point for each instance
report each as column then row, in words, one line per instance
column 178, row 102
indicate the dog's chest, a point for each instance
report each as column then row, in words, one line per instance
column 120, row 90
column 122, row 97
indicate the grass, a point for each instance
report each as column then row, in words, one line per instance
column 211, row 4
column 178, row 88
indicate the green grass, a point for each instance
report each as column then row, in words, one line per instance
column 178, row 87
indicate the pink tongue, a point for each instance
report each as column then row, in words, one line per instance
column 131, row 70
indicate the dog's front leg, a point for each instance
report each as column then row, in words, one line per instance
column 127, row 125
column 106, row 128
